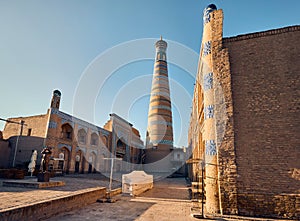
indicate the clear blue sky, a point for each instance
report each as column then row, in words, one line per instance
column 46, row 45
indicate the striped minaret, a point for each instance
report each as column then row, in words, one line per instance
column 159, row 139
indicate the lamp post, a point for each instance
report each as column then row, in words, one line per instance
column 111, row 176
column 202, row 189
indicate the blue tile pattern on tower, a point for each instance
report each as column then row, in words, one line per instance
column 209, row 112
column 210, row 148
column 207, row 48
column 208, row 81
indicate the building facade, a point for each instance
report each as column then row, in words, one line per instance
column 159, row 137
column 244, row 125
column 77, row 146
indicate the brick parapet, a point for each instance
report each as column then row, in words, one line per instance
column 262, row 34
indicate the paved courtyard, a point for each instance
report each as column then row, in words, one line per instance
column 13, row 197
column 168, row 200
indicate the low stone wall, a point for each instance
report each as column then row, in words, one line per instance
column 114, row 192
column 49, row 208
column 12, row 173
column 287, row 206
column 32, row 184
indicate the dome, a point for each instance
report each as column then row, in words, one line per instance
column 57, row 93
column 211, row 8
column 161, row 43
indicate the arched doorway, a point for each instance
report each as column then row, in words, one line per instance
column 121, row 149
column 104, row 141
column 81, row 136
column 106, row 153
column 120, row 153
column 64, row 160
column 92, row 163
column 67, row 131
column 94, row 139
column 77, row 161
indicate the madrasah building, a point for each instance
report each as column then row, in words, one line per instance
column 77, row 146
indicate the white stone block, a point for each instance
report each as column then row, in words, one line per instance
column 136, row 182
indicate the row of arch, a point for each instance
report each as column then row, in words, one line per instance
column 81, row 160
column 67, row 133
column 81, row 163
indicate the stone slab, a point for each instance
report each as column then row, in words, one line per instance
column 32, row 184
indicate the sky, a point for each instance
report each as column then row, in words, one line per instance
column 100, row 53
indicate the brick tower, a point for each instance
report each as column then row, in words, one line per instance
column 209, row 135
column 55, row 102
column 159, row 138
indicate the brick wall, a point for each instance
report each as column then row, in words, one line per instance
column 26, row 145
column 265, row 80
column 4, row 152
column 37, row 124
column 224, row 119
column 33, row 135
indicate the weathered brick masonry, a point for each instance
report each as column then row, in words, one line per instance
column 265, row 77
column 256, row 83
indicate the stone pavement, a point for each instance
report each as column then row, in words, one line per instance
column 168, row 200
column 13, row 197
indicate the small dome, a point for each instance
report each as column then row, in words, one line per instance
column 161, row 43
column 57, row 93
column 211, row 7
